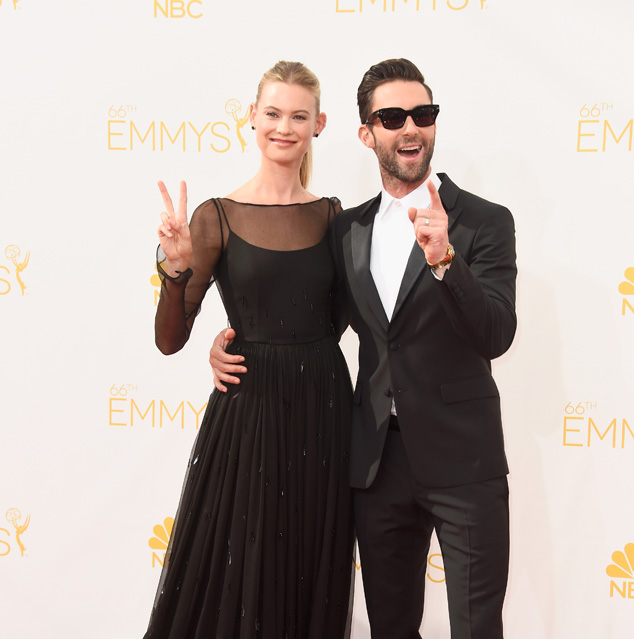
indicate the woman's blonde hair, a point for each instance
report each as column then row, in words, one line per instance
column 300, row 74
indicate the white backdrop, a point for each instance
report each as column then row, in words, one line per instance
column 98, row 100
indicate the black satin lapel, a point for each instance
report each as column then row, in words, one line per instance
column 361, row 239
column 448, row 192
column 416, row 266
column 453, row 215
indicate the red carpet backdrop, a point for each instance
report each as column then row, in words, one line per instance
column 99, row 100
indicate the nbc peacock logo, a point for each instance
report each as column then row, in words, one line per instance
column 155, row 281
column 626, row 288
column 160, row 541
column 621, row 572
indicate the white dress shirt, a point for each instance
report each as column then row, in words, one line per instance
column 392, row 241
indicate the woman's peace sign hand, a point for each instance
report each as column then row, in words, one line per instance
column 174, row 233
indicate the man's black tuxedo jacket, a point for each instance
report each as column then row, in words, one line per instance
column 434, row 356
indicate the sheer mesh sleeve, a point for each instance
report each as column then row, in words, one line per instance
column 340, row 312
column 182, row 296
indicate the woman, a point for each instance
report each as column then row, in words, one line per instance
column 262, row 543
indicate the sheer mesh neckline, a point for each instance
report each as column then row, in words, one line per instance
column 264, row 248
column 282, row 228
column 228, row 199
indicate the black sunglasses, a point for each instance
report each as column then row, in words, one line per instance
column 394, row 117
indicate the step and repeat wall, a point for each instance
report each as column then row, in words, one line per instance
column 99, row 100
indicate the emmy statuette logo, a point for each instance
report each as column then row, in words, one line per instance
column 20, row 526
column 15, row 4
column 17, row 266
column 233, row 108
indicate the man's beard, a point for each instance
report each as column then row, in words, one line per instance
column 409, row 173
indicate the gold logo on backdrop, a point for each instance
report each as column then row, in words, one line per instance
column 435, row 568
column 622, row 570
column 178, row 8
column 585, row 426
column 160, row 541
column 155, row 281
column 14, row 517
column 128, row 131
column 595, row 132
column 392, row 6
column 12, row 252
column 126, row 409
column 626, row 288
column 233, row 107
column 15, row 4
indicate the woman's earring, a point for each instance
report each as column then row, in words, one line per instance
column 252, row 128
column 316, row 135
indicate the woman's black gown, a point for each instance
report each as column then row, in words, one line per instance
column 262, row 545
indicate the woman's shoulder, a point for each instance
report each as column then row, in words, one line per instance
column 336, row 202
column 210, row 205
column 207, row 215
column 330, row 202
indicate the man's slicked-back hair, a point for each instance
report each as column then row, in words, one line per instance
column 386, row 71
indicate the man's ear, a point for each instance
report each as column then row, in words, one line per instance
column 365, row 135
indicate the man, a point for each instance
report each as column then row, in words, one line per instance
column 428, row 273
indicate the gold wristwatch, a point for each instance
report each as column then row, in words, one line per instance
column 445, row 260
